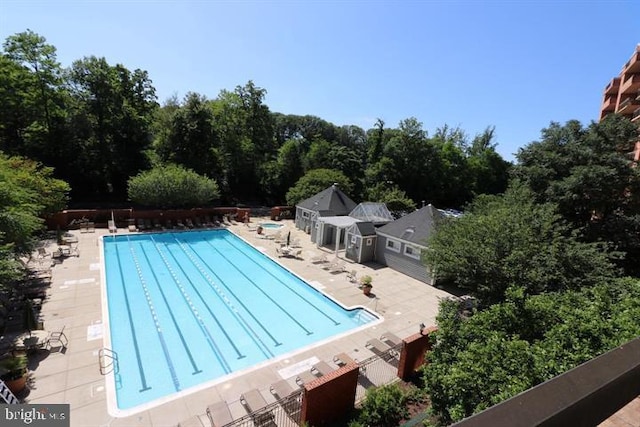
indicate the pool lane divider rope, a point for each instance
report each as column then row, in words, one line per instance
column 143, row 379
column 152, row 310
column 216, row 350
column 196, row 370
column 308, row 332
column 335, row 322
column 246, row 326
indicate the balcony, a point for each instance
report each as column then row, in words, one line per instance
column 633, row 64
column 612, row 87
column 631, row 84
column 609, row 104
column 626, row 104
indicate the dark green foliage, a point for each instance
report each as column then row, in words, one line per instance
column 383, row 406
column 315, row 181
column 496, row 353
column 511, row 240
column 587, row 173
column 172, row 187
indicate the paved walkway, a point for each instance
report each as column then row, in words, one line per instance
column 74, row 302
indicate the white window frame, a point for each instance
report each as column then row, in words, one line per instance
column 395, row 247
column 305, row 214
column 354, row 239
column 413, row 248
column 369, row 241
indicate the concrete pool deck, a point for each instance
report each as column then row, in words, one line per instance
column 74, row 302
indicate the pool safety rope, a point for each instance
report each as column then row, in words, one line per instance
column 284, row 311
column 154, row 316
column 143, row 378
column 335, row 322
column 246, row 326
column 194, row 310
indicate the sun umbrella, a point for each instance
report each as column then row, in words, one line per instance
column 288, row 237
column 29, row 320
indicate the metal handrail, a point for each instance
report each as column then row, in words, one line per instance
column 112, row 357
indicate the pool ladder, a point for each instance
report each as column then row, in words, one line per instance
column 108, row 361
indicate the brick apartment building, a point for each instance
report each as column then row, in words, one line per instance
column 622, row 95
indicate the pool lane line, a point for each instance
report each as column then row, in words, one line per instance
column 230, row 305
column 335, row 322
column 152, row 310
column 143, row 378
column 194, row 311
column 308, row 332
column 196, row 370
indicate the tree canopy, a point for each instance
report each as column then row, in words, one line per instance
column 315, row 181
column 172, row 186
column 511, row 240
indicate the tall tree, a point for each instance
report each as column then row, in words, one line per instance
column 587, row 173
column 33, row 122
column 114, row 110
column 510, row 240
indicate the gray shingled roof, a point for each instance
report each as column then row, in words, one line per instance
column 330, row 199
column 365, row 228
column 415, row 227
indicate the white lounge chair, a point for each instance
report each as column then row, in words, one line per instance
column 112, row 226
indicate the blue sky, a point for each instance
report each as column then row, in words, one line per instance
column 516, row 65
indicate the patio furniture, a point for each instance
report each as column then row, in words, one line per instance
column 281, row 389
column 352, row 276
column 343, row 359
column 219, row 414
column 253, row 402
column 59, row 338
column 319, row 259
column 391, row 339
column 112, row 226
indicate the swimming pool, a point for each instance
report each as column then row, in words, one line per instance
column 270, row 225
column 188, row 308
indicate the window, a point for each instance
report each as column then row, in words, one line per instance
column 354, row 240
column 369, row 242
column 412, row 251
column 305, row 214
column 393, row 245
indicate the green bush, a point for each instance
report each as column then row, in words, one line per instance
column 383, row 406
column 172, row 187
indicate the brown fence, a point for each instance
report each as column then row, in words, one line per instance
column 70, row 219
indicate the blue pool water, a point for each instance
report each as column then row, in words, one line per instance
column 270, row 225
column 189, row 307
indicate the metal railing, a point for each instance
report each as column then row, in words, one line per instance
column 285, row 412
column 378, row 370
column 108, row 360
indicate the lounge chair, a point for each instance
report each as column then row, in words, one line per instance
column 319, row 259
column 112, row 226
column 391, row 339
column 381, row 348
column 343, row 359
column 157, row 224
column 91, row 227
column 141, row 225
column 180, row 224
column 352, row 276
column 318, row 370
column 253, row 402
column 219, row 414
column 338, row 267
column 197, row 222
column 322, row 368
column 188, row 222
column 281, row 389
